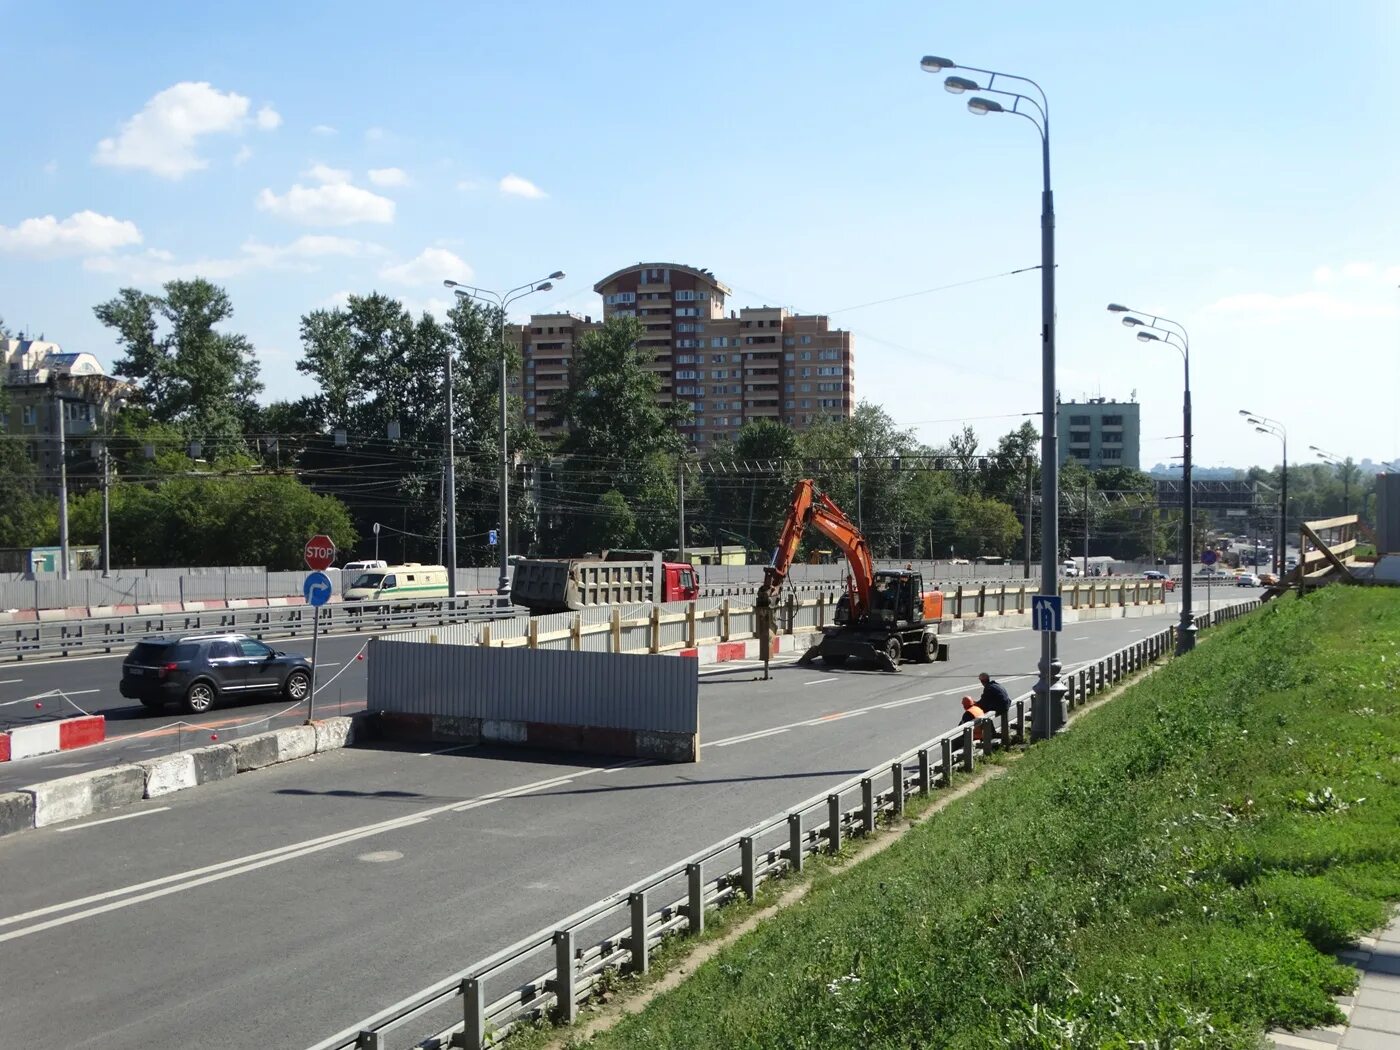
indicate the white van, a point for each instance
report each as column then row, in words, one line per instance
column 353, row 568
column 398, row 584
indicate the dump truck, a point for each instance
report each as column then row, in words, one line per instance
column 884, row 616
column 548, row 585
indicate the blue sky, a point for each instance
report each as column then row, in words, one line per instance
column 1233, row 166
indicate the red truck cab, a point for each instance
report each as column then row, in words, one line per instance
column 679, row 582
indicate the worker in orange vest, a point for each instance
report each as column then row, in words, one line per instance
column 971, row 713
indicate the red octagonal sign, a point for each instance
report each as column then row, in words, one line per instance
column 320, row 552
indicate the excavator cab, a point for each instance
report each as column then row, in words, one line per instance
column 893, row 597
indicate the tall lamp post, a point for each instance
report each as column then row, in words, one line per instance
column 502, row 301
column 1173, row 333
column 1332, row 459
column 1265, row 425
column 1047, row 711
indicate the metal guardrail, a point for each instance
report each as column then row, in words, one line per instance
column 555, row 970
column 106, row 634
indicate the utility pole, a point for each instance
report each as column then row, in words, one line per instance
column 680, row 486
column 1086, row 525
column 1029, row 504
column 451, row 485
column 860, row 519
column 106, row 514
column 62, row 487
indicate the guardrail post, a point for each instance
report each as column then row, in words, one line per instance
column 833, row 823
column 945, row 748
column 576, row 633
column 566, row 1008
column 748, row 878
column 615, row 630
column 1021, row 599
column 982, row 600
column 969, row 757
column 371, row 1041
column 897, row 798
column 695, row 902
column 473, row 1035
column 724, row 621
column 485, row 637
column 1020, row 721
column 925, row 772
column 795, row 852
column 821, row 609
column 654, row 630
column 958, row 603
column 690, row 625
column 637, row 943
column 532, row 634
column 867, row 805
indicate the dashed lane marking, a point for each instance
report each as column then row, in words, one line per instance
column 819, row 681
column 113, row 820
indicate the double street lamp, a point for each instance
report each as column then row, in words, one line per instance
column 1047, row 713
column 1265, row 425
column 1173, row 333
column 1332, row 459
column 501, row 301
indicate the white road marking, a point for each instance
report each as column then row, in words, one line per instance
column 1136, row 630
column 448, row 750
column 819, row 681
column 113, row 820
column 186, row 880
column 76, row 692
column 1014, row 648
column 1080, row 638
column 10, row 681
column 329, row 663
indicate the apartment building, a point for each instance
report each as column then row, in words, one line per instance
column 730, row 366
column 1099, row 433
column 39, row 381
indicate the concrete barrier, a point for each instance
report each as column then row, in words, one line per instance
column 333, row 733
column 295, row 742
column 84, row 794
column 254, row 752
column 547, row 736
column 16, row 811
column 167, row 773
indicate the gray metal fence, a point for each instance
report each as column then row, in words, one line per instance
column 554, row 971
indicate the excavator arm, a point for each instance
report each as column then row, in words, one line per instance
column 812, row 507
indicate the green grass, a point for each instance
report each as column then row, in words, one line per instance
column 1173, row 872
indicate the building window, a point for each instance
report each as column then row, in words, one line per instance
column 806, row 388
column 684, row 295
column 1114, row 438
column 830, row 370
column 787, row 340
column 1079, row 421
column 829, row 355
column 687, row 373
column 806, row 355
column 806, row 403
column 1113, row 453
column 1113, row 421
column 789, row 405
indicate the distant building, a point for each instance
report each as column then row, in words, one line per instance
column 1099, row 433
column 40, row 380
column 754, row 363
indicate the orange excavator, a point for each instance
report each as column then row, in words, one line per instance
column 884, row 617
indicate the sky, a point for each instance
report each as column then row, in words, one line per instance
column 1231, row 166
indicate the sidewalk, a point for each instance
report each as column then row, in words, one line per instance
column 1373, row 1013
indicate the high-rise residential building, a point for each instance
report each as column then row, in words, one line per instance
column 731, row 367
column 1099, row 433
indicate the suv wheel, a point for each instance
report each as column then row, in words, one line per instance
column 200, row 698
column 298, row 686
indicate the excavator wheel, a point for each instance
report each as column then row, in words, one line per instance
column 927, row 650
column 835, row 661
column 888, row 658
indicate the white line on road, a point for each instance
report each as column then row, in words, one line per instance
column 1014, row 648
column 447, row 750
column 186, row 880
column 113, row 820
column 10, row 681
column 819, row 681
column 1080, row 638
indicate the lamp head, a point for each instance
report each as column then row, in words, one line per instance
column 557, row 275
column 1262, row 430
column 957, row 85
column 983, row 106
column 1246, row 412
column 449, row 284
column 462, row 294
column 1149, row 337
column 1129, row 321
column 1117, row 308
column 934, row 64
column 544, row 287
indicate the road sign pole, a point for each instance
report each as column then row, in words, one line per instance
column 315, row 664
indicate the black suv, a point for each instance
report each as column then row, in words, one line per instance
column 200, row 669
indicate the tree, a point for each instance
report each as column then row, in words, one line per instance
column 25, row 516
column 748, row 484
column 203, row 380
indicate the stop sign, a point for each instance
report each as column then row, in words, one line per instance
column 320, row 552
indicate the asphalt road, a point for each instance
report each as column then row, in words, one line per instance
column 277, row 907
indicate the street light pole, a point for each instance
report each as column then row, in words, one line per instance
column 451, row 500
column 502, row 301
column 1173, row 333
column 1332, row 459
column 1265, row 425
column 1047, row 708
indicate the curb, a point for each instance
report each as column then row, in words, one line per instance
column 46, row 738
column 99, row 791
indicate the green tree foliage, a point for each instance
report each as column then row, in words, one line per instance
column 185, row 371
column 25, row 515
column 747, row 486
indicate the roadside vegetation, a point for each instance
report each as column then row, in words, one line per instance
column 1175, row 871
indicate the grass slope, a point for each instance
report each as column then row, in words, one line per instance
column 1171, row 873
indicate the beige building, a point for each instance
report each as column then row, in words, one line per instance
column 731, row 367
column 40, row 380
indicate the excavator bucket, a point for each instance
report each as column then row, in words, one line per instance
column 811, row 654
column 835, row 650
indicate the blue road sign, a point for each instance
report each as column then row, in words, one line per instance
column 317, row 588
column 1045, row 613
column 1209, row 557
column 492, row 538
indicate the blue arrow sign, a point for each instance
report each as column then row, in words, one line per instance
column 1045, row 613
column 317, row 588
column 491, row 537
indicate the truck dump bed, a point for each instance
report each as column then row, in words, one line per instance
column 567, row 584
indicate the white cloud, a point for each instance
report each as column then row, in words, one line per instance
column 244, row 154
column 1391, row 275
column 515, row 186
column 1323, row 274
column 1358, row 270
column 331, row 204
column 324, row 173
column 388, row 176
column 163, row 137
column 82, row 233
column 431, row 267
column 324, row 130
column 301, row 255
column 467, row 185
column 1277, row 307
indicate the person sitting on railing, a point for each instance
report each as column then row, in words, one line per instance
column 972, row 713
column 995, row 699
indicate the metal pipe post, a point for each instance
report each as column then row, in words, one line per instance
column 62, row 488
column 106, row 514
column 1027, row 530
column 1186, row 633
column 451, row 500
column 1283, row 511
column 680, row 495
column 503, row 528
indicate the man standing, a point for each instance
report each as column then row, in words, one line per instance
column 995, row 699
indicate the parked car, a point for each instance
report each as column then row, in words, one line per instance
column 1154, row 574
column 200, row 670
column 1246, row 579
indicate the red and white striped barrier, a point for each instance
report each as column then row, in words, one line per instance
column 724, row 652
column 48, row 737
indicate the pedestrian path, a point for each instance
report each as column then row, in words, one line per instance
column 1373, row 1011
